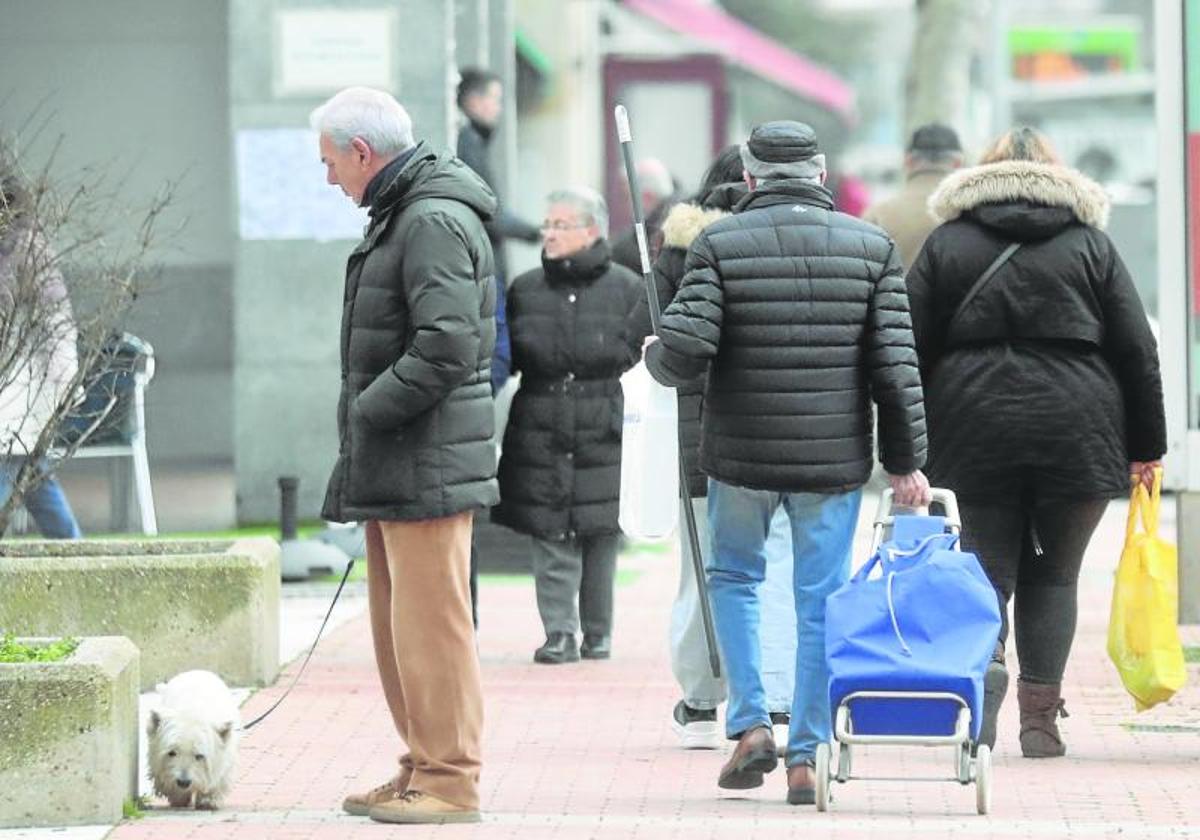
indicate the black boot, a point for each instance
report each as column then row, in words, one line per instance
column 596, row 647
column 995, row 686
column 559, row 648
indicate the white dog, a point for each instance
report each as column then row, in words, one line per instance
column 193, row 740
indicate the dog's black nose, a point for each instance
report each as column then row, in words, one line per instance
column 183, row 783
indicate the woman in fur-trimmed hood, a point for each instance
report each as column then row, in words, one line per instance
column 1042, row 394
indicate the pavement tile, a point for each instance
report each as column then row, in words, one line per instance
column 585, row 750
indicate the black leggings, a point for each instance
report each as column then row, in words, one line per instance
column 1045, row 585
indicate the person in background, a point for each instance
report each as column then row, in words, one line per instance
column 416, row 456
column 694, row 718
column 33, row 299
column 659, row 195
column 560, row 467
column 799, row 314
column 480, row 99
column 933, row 153
column 1043, row 396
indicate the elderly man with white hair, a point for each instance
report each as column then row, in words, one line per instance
column 560, row 471
column 415, row 421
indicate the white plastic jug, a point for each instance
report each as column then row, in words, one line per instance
column 649, row 457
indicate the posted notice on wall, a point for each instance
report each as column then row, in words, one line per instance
column 319, row 51
column 282, row 193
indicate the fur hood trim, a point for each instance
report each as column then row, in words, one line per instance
column 684, row 223
column 1019, row 180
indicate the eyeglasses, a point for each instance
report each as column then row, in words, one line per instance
column 561, row 226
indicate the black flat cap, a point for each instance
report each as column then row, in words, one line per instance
column 934, row 137
column 782, row 141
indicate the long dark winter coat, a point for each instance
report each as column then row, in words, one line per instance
column 1048, row 384
column 572, row 338
column 681, row 227
column 415, row 414
column 803, row 314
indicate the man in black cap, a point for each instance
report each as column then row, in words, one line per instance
column 800, row 316
column 933, row 152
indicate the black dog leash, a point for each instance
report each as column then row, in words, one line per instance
column 311, row 650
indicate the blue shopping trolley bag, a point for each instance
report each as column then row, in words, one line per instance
column 928, row 621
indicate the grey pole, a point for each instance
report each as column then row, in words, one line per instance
column 639, row 221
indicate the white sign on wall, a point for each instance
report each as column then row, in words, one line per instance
column 321, row 51
column 282, row 192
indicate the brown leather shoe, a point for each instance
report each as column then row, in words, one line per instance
column 423, row 808
column 802, row 784
column 360, row 804
column 754, row 755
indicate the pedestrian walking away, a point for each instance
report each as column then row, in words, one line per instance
column 560, row 468
column 800, row 316
column 933, row 153
column 694, row 718
column 1043, row 392
column 416, row 456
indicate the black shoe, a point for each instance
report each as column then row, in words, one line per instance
column 559, row 648
column 596, row 647
column 781, row 719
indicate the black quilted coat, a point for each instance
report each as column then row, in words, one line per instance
column 415, row 413
column 803, row 314
column 1048, row 384
column 572, row 338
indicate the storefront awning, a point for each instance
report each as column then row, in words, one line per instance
column 744, row 45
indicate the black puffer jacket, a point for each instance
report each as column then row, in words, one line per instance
column 681, row 227
column 572, row 338
column 415, row 413
column 803, row 314
column 1048, row 384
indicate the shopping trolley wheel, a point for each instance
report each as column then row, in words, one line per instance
column 983, row 779
column 822, row 760
column 964, row 764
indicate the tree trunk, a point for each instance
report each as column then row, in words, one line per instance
column 938, row 84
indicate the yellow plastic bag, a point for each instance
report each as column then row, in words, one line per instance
column 1143, row 637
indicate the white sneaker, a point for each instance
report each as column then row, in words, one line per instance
column 697, row 728
column 780, row 728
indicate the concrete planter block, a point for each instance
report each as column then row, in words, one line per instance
column 69, row 736
column 210, row 604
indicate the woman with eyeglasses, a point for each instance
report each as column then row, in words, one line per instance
column 560, row 469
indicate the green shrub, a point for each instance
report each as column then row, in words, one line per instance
column 13, row 651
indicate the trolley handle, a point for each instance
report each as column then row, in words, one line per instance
column 884, row 516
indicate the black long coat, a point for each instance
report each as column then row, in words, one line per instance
column 572, row 338
column 1048, row 384
column 415, row 414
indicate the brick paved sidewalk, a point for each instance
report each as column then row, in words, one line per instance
column 585, row 750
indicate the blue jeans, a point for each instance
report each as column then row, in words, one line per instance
column 689, row 649
column 822, row 538
column 45, row 501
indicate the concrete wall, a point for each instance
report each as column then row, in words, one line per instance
column 69, row 743
column 139, row 86
column 208, row 605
